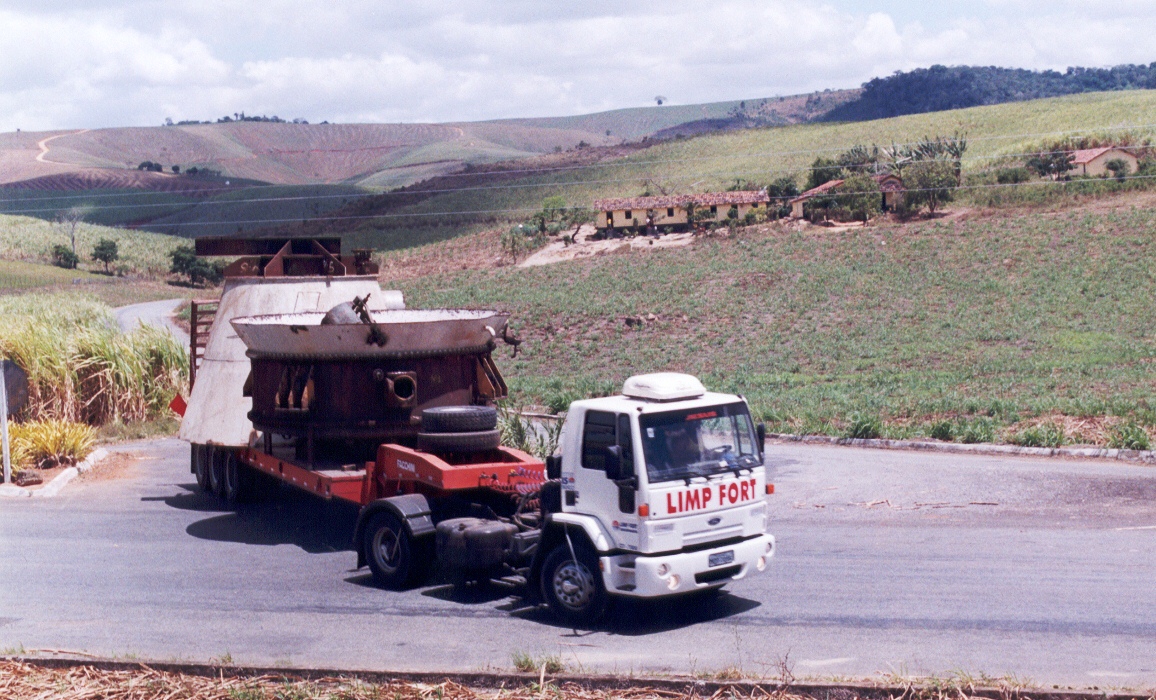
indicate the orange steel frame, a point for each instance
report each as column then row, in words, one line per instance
column 401, row 470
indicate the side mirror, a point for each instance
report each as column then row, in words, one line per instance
column 761, row 433
column 614, row 462
column 554, row 467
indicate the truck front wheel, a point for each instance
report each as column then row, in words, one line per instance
column 395, row 558
column 572, row 585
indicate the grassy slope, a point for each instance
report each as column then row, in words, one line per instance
column 712, row 162
column 28, row 239
column 1008, row 316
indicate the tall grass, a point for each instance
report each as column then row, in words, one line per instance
column 81, row 367
column 30, row 239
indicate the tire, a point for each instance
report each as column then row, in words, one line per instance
column 201, row 457
column 238, row 479
column 459, row 442
column 217, row 459
column 459, row 419
column 572, row 586
column 395, row 558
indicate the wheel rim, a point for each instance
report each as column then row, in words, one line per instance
column 387, row 549
column 573, row 585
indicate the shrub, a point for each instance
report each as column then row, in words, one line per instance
column 943, row 430
column 1046, row 435
column 520, row 240
column 198, row 270
column 863, row 427
column 50, row 443
column 62, row 256
column 976, row 430
column 1129, row 436
column 860, row 196
column 929, row 183
column 1118, row 167
column 1013, row 176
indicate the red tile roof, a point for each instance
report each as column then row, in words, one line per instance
column 681, row 200
column 1087, row 155
column 887, row 183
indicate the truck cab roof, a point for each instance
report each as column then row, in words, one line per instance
column 657, row 393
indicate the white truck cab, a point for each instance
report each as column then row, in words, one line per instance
column 668, row 485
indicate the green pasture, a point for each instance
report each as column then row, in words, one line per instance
column 31, row 239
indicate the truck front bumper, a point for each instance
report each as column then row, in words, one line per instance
column 648, row 576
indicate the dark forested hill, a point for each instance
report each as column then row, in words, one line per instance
column 938, row 88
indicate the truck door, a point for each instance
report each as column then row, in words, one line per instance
column 600, row 496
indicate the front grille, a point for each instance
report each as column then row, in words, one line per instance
column 718, row 574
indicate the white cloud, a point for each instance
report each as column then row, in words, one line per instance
column 121, row 62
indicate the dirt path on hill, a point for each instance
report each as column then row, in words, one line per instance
column 42, row 144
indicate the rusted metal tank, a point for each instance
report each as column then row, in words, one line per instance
column 272, row 276
column 354, row 385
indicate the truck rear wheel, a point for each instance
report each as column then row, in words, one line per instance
column 238, row 479
column 216, row 461
column 395, row 558
column 572, row 585
column 201, row 457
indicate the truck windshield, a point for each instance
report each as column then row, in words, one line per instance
column 698, row 442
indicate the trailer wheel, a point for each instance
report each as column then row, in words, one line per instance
column 238, row 481
column 479, row 441
column 217, row 470
column 395, row 558
column 572, row 585
column 459, row 419
column 201, row 457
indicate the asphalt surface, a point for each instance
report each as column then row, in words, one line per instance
column 152, row 313
column 888, row 562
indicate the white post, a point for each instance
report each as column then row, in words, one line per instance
column 4, row 425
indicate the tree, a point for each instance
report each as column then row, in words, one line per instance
column 858, row 159
column 176, row 170
column 68, row 222
column 62, row 256
column 198, row 270
column 1053, row 163
column 105, row 251
column 781, row 192
column 860, row 195
column 823, row 170
column 1118, row 167
column 929, row 182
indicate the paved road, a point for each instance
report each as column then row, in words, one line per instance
column 152, row 313
column 888, row 562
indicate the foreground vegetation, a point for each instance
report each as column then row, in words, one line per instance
column 83, row 370
column 1014, row 326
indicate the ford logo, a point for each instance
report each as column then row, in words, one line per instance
column 714, row 521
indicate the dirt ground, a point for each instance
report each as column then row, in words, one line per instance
column 584, row 247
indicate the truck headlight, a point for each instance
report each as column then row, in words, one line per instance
column 673, row 582
column 663, row 569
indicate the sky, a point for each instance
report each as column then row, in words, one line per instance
column 100, row 63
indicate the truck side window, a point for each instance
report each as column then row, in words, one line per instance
column 598, row 434
column 626, row 442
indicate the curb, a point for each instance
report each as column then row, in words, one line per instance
column 687, row 686
column 1139, row 456
column 61, row 480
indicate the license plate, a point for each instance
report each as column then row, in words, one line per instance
column 720, row 558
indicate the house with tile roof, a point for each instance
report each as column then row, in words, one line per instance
column 1094, row 161
column 674, row 210
column 890, row 185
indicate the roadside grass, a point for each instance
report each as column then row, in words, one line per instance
column 529, row 663
column 16, row 275
column 959, row 328
column 25, row 238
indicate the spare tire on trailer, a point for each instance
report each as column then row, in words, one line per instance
column 477, row 441
column 459, row 419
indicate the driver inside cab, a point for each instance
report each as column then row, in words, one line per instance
column 682, row 446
